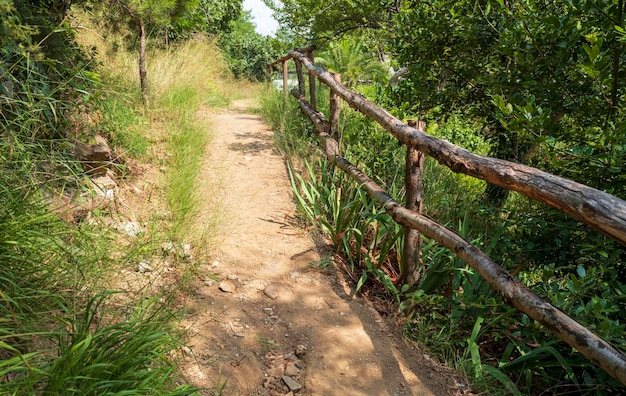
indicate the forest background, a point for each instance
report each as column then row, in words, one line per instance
column 534, row 82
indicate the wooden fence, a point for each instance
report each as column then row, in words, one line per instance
column 598, row 209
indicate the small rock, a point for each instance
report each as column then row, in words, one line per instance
column 291, row 370
column 292, row 384
column 209, row 282
column 171, row 248
column 168, row 247
column 186, row 252
column 257, row 284
column 187, row 350
column 240, row 335
column 130, row 228
column 105, row 182
column 276, row 371
column 273, row 291
column 227, row 287
column 300, row 350
column 144, row 266
column 94, row 156
column 215, row 263
column 232, row 277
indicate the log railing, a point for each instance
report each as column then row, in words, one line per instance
column 598, row 209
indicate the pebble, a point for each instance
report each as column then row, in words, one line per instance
column 232, row 277
column 209, row 282
column 227, row 287
column 291, row 370
column 272, row 291
column 292, row 384
column 131, row 228
column 257, row 284
column 144, row 266
column 276, row 371
column 300, row 350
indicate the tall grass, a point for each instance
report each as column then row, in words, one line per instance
column 188, row 79
column 59, row 332
column 452, row 310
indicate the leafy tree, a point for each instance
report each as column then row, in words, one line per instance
column 247, row 51
column 353, row 59
column 141, row 13
column 535, row 71
column 210, row 16
column 322, row 20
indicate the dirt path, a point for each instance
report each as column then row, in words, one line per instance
column 262, row 318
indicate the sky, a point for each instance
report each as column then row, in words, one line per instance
column 262, row 17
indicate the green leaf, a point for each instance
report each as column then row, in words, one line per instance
column 503, row 378
column 361, row 281
column 580, row 270
column 473, row 347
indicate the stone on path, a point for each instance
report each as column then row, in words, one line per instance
column 293, row 385
column 227, row 287
column 291, row 370
column 274, row 290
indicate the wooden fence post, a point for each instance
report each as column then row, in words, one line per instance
column 335, row 109
column 301, row 86
column 312, row 81
column 285, row 80
column 411, row 257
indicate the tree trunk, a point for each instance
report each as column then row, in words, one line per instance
column 143, row 74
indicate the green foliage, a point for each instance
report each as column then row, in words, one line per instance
column 321, row 20
column 454, row 311
column 58, row 335
column 54, row 337
column 537, row 73
column 127, row 356
column 209, row 16
column 363, row 234
column 13, row 33
column 121, row 124
column 246, row 51
column 351, row 58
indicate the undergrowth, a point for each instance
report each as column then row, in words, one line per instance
column 63, row 330
column 451, row 310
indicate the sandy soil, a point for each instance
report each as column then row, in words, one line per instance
column 262, row 320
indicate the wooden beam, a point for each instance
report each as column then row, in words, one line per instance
column 596, row 208
column 335, row 108
column 414, row 186
column 600, row 352
column 301, row 85
column 322, row 126
column 312, row 80
column 285, row 79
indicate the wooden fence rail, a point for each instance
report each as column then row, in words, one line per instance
column 591, row 206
